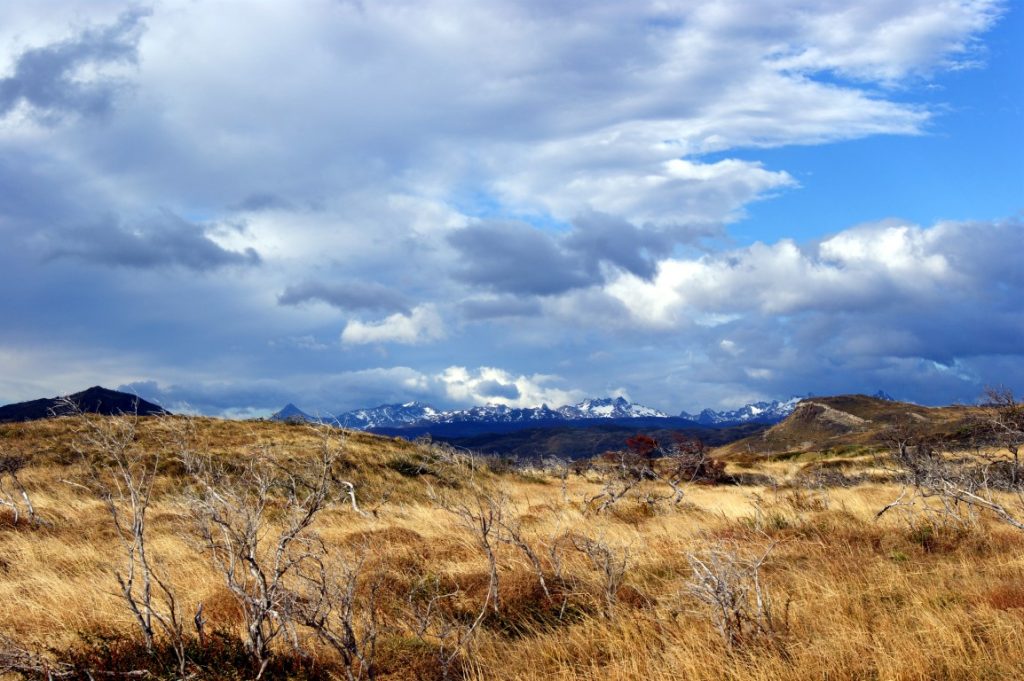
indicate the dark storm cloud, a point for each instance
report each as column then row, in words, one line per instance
column 319, row 394
column 991, row 251
column 479, row 309
column 349, row 295
column 46, row 79
column 213, row 398
column 517, row 258
column 165, row 240
column 261, row 201
column 496, row 389
column 604, row 238
column 53, row 213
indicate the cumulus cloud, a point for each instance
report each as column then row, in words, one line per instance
column 600, row 237
column 421, row 325
column 490, row 385
column 848, row 312
column 866, row 267
column 664, row 191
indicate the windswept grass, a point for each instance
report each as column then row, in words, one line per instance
column 864, row 598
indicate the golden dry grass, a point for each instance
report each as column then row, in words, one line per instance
column 866, row 599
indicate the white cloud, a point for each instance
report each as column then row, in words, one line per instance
column 880, row 40
column 479, row 387
column 867, row 265
column 663, row 190
column 422, row 325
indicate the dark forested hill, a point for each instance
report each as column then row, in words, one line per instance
column 94, row 400
column 576, row 442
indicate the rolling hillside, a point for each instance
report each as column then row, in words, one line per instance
column 845, row 421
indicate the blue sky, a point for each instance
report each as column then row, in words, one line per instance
column 227, row 206
column 967, row 163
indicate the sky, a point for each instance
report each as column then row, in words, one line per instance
column 227, row 206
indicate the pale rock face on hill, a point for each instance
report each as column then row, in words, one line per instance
column 813, row 421
column 828, row 417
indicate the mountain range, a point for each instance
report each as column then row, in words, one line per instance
column 419, row 416
column 755, row 412
column 583, row 429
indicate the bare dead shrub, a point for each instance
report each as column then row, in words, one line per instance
column 737, row 601
column 1003, row 426
column 512, row 533
column 622, row 471
column 687, row 460
column 482, row 516
column 611, row 565
column 18, row 500
column 437, row 625
column 256, row 527
column 943, row 490
column 682, row 462
column 449, row 463
column 345, row 615
column 123, row 476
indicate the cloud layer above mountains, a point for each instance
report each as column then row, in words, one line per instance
column 233, row 205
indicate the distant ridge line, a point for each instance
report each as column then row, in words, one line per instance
column 94, row 400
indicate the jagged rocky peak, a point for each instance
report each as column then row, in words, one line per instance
column 611, row 407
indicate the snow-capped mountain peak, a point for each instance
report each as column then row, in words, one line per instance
column 756, row 412
column 609, row 407
column 417, row 413
column 386, row 416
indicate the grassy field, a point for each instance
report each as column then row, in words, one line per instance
column 851, row 596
